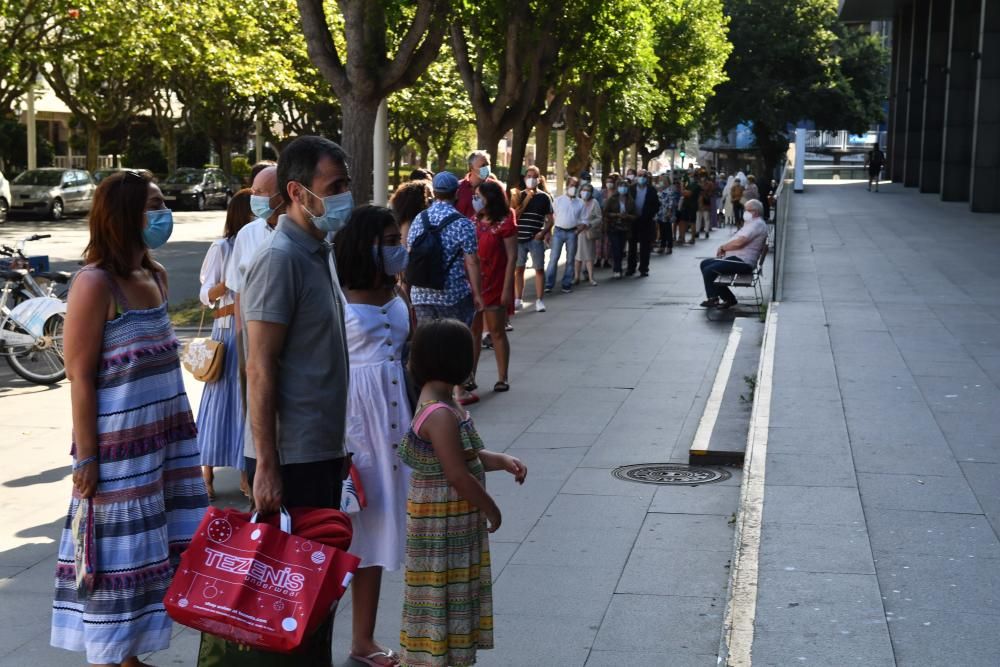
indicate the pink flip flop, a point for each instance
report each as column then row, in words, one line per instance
column 369, row 660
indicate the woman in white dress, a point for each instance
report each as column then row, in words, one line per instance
column 369, row 255
column 591, row 217
column 220, row 417
column 727, row 201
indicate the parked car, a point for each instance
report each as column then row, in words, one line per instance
column 4, row 198
column 52, row 192
column 197, row 188
column 101, row 174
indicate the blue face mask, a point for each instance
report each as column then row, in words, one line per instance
column 622, row 190
column 261, row 206
column 159, row 225
column 642, row 180
column 336, row 208
column 484, row 172
column 394, row 258
column 478, row 203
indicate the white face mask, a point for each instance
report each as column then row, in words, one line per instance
column 571, row 191
column 531, row 183
column 747, row 216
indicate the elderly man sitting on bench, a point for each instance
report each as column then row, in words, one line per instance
column 738, row 255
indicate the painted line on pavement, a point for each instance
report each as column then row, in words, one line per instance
column 703, row 436
column 741, row 607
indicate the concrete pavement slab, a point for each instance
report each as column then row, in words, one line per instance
column 946, row 638
column 796, row 547
column 661, row 624
column 927, row 493
column 716, row 499
column 932, row 533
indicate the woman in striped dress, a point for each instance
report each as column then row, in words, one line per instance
column 220, row 416
column 448, row 600
column 135, row 455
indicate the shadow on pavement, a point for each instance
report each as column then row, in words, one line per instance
column 45, row 477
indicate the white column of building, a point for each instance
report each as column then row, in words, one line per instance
column 381, row 159
column 32, row 140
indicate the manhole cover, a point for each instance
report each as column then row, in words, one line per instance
column 670, row 473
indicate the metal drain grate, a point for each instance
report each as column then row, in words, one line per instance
column 670, row 473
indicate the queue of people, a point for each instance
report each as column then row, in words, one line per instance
column 351, row 340
column 348, row 366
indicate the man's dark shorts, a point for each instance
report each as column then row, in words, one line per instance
column 463, row 311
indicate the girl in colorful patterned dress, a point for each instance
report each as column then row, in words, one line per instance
column 448, row 601
column 135, row 452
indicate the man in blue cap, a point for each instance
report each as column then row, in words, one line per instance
column 459, row 297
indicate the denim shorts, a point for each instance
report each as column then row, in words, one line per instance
column 534, row 247
column 463, row 311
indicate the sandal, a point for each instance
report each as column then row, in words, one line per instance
column 468, row 400
column 501, row 385
column 387, row 654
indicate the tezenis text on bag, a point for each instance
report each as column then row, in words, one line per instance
column 259, row 573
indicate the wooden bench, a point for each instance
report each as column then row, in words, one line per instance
column 748, row 280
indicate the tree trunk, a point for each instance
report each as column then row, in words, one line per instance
column 93, row 144
column 520, row 145
column 582, row 155
column 423, row 154
column 606, row 168
column 488, row 138
column 446, row 140
column 542, row 133
column 397, row 162
column 226, row 155
column 359, row 135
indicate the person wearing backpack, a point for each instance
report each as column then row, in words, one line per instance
column 443, row 269
column 876, row 160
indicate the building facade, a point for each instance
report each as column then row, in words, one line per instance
column 944, row 95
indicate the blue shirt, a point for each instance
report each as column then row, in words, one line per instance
column 459, row 234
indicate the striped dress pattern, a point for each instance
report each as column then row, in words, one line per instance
column 149, row 500
column 448, row 598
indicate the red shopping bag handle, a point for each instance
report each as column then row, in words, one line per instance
column 285, row 521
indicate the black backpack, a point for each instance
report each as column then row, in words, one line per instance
column 427, row 266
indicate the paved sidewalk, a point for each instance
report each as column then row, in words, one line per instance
column 882, row 500
column 589, row 570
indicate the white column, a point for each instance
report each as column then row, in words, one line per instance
column 560, row 160
column 800, row 159
column 381, row 158
column 32, row 140
column 258, row 140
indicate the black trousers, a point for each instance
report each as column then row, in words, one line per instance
column 310, row 485
column 640, row 245
column 666, row 235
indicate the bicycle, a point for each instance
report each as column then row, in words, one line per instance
column 31, row 332
column 56, row 282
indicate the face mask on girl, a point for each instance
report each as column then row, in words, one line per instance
column 394, row 258
column 585, row 195
column 159, row 225
column 623, row 189
column 478, row 203
column 336, row 208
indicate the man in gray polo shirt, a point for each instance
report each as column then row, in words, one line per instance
column 297, row 370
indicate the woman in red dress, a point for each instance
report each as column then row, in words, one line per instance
column 496, row 229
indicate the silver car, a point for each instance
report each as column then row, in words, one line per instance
column 52, row 192
column 4, row 198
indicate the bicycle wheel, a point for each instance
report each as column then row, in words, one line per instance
column 43, row 362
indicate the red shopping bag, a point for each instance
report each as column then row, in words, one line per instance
column 256, row 584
